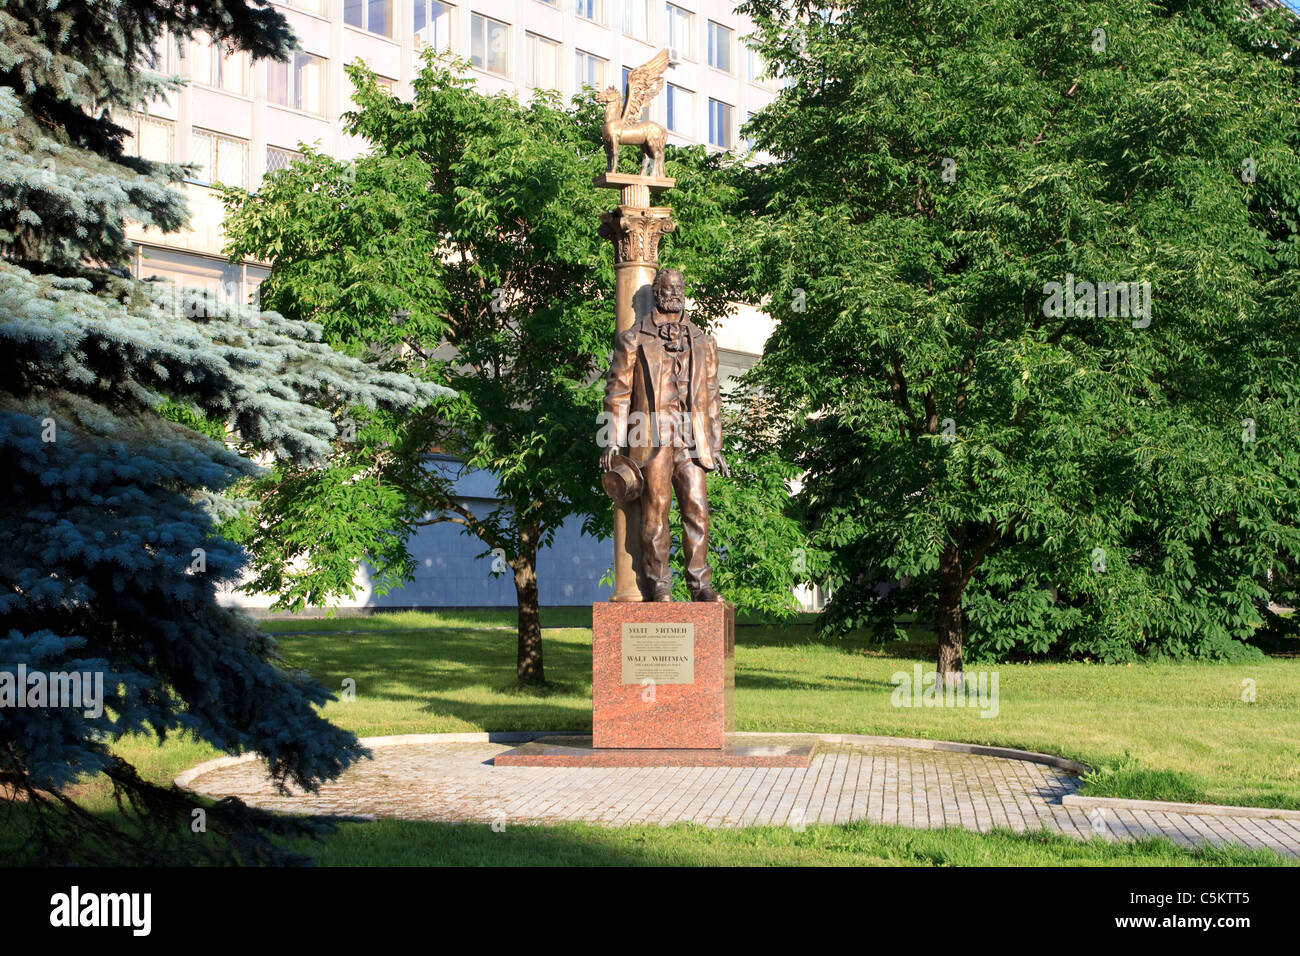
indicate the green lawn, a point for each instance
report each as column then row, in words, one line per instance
column 1153, row 731
column 397, row 843
column 1157, row 731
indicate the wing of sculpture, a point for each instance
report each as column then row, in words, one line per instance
column 643, row 84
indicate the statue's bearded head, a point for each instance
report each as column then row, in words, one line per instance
column 669, row 291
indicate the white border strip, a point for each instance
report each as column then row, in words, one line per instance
column 1165, row 806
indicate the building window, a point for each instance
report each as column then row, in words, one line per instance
column 221, row 159
column 754, row 65
column 433, row 24
column 681, row 32
column 590, row 70
column 681, row 109
column 373, row 15
column 165, row 57
column 638, row 18
column 215, row 67
column 593, row 10
column 149, row 138
column 720, row 47
column 749, row 139
column 719, row 124
column 299, row 85
column 543, row 62
column 385, row 83
column 278, row 159
column 489, row 44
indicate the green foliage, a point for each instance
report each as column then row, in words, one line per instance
column 760, row 550
column 935, row 166
column 462, row 246
column 352, row 506
column 192, row 418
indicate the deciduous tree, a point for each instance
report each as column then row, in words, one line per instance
column 1035, row 269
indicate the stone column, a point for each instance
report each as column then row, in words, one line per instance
column 634, row 228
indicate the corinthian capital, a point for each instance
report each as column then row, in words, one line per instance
column 635, row 232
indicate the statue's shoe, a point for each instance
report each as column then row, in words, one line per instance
column 708, row 595
column 663, row 592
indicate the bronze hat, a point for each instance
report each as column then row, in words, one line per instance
column 623, row 481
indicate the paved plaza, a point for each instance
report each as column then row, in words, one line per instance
column 450, row 777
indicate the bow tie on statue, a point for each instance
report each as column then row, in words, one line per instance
column 674, row 335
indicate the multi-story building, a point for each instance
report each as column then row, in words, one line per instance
column 239, row 120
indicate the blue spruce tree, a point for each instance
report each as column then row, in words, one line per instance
column 112, row 558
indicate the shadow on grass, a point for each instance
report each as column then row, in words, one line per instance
column 758, row 678
column 445, row 659
column 920, row 644
column 542, row 691
column 409, row 664
column 497, row 715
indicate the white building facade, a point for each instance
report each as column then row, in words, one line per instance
column 239, row 120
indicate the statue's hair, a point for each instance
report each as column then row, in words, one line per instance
column 663, row 274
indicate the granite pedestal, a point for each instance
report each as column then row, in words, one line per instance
column 663, row 683
column 663, row 675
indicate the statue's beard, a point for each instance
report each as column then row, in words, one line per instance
column 671, row 305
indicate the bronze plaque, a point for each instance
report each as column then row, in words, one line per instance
column 663, row 653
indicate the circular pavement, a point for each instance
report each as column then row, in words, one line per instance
column 924, row 784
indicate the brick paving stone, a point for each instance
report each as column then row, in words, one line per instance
column 825, row 810
column 1285, row 831
column 1290, row 827
column 1266, row 833
column 1122, row 824
column 922, row 788
column 1204, row 830
column 889, row 789
column 1145, row 821
column 661, row 802
column 722, row 813
column 842, row 809
column 762, row 811
column 1168, row 826
column 1232, row 826
column 750, row 802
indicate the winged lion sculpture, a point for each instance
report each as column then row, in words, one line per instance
column 622, row 126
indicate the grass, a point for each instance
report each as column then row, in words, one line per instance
column 398, row 843
column 1154, row 731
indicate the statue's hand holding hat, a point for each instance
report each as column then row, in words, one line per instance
column 622, row 481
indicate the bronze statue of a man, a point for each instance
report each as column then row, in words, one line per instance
column 663, row 405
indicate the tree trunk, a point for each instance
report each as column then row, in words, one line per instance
column 951, row 586
column 528, row 663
